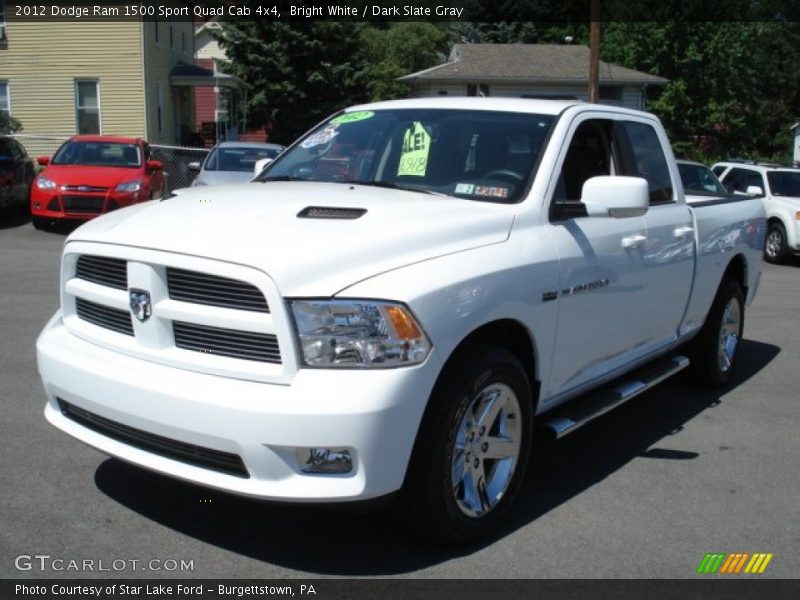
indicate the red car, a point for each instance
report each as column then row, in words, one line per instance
column 92, row 175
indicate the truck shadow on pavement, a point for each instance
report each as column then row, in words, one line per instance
column 335, row 542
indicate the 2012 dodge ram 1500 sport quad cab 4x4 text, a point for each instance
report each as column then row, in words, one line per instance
column 393, row 301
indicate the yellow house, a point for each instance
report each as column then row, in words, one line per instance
column 127, row 78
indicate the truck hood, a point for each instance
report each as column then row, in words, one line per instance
column 257, row 224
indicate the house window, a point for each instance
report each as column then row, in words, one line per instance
column 477, row 89
column 160, row 105
column 610, row 92
column 87, row 106
column 2, row 22
column 5, row 99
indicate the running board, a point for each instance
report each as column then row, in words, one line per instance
column 577, row 413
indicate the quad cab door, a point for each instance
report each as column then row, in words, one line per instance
column 610, row 315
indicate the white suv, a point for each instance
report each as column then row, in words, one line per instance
column 780, row 191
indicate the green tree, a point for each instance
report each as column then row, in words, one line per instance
column 734, row 86
column 298, row 72
column 398, row 50
column 9, row 124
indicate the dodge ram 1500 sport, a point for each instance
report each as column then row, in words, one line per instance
column 387, row 309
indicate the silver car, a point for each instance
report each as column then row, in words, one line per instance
column 233, row 162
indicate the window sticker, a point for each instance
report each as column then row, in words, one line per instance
column 470, row 189
column 492, row 191
column 352, row 117
column 416, row 147
column 320, row 138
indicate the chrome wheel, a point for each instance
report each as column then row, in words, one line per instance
column 486, row 449
column 774, row 244
column 729, row 334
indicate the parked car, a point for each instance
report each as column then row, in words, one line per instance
column 779, row 189
column 699, row 182
column 701, row 186
column 16, row 175
column 233, row 162
column 387, row 308
column 92, row 175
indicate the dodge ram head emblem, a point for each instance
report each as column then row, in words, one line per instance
column 141, row 307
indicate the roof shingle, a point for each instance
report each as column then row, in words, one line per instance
column 526, row 62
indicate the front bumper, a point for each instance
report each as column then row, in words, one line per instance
column 375, row 413
column 52, row 205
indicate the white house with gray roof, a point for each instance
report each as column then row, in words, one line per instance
column 530, row 71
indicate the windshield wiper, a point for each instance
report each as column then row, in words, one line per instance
column 390, row 186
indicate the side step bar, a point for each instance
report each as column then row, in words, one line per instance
column 579, row 412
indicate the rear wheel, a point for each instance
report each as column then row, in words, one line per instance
column 775, row 247
column 716, row 347
column 472, row 449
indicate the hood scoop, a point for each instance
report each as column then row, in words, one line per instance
column 330, row 212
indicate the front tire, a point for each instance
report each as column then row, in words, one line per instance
column 715, row 349
column 472, row 448
column 775, row 246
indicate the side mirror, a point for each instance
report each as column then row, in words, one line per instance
column 755, row 190
column 155, row 165
column 616, row 196
column 43, row 160
column 260, row 164
column 193, row 166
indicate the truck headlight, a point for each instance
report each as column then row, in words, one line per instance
column 358, row 334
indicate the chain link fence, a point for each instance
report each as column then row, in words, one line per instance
column 176, row 159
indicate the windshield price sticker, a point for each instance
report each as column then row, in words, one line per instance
column 416, row 147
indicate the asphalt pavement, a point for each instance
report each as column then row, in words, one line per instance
column 643, row 492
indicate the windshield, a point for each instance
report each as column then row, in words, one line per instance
column 474, row 154
column 698, row 179
column 784, row 183
column 241, row 159
column 99, row 154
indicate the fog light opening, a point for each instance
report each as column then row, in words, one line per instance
column 325, row 460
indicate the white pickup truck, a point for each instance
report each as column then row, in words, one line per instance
column 393, row 303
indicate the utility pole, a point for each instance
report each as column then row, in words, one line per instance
column 594, row 52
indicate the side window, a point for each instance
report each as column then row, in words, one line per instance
column 738, row 180
column 17, row 151
column 591, row 153
column 719, row 170
column 646, row 159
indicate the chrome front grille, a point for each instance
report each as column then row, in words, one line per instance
column 204, row 315
column 104, row 316
column 111, row 272
column 234, row 343
column 213, row 290
column 83, row 204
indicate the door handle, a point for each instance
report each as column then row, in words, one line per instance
column 681, row 232
column 633, row 241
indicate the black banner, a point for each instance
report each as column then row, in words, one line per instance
column 400, row 589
